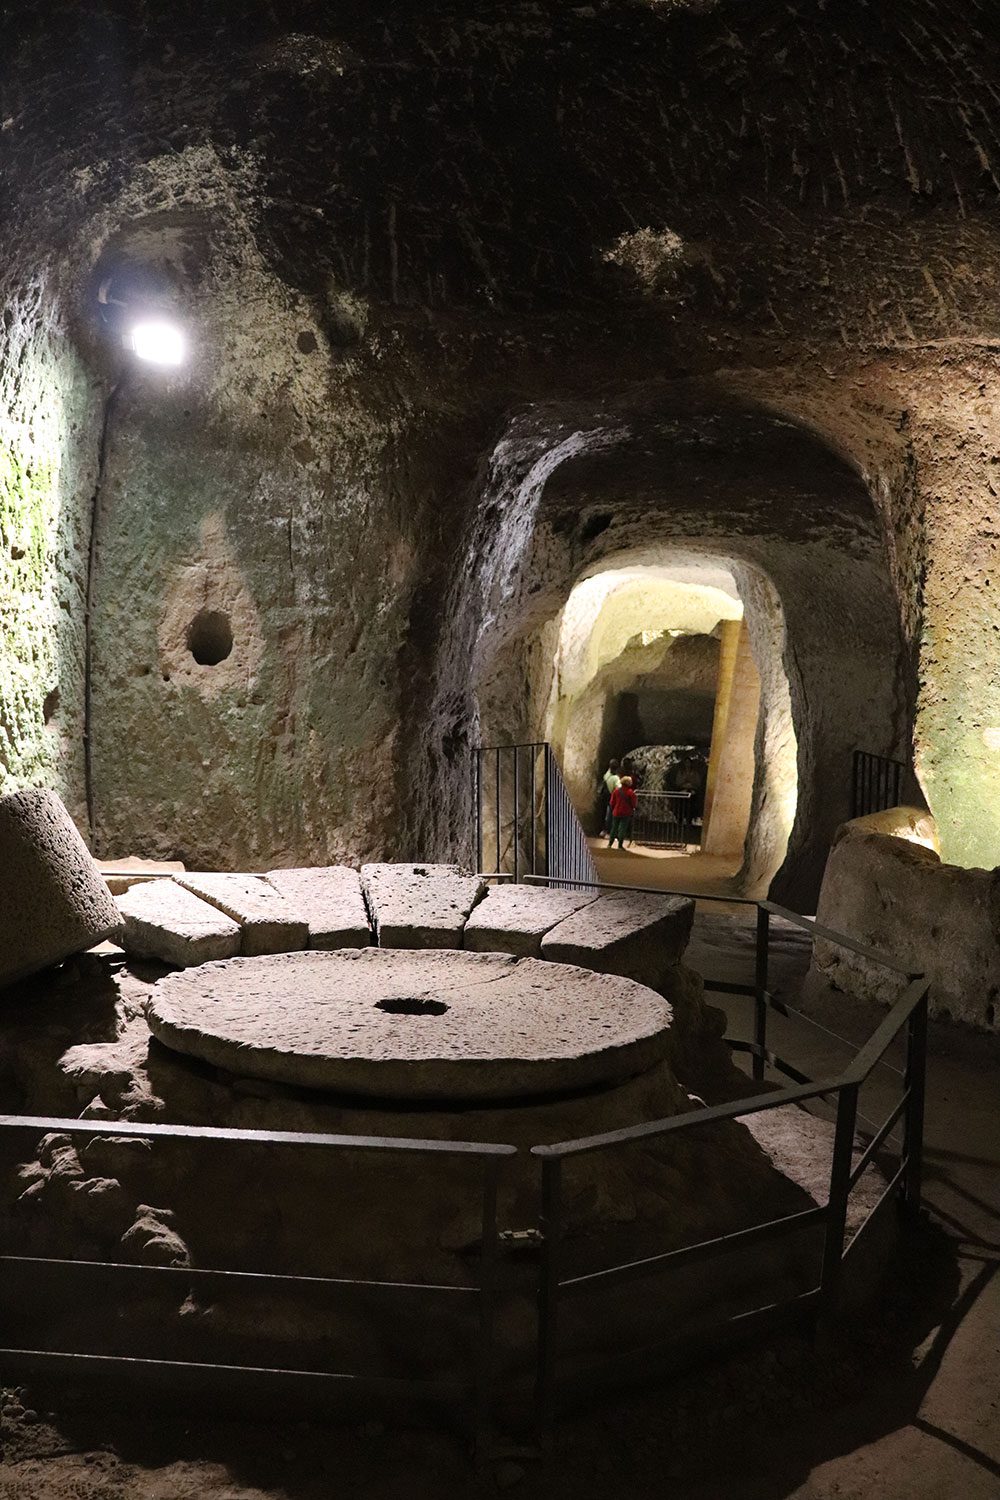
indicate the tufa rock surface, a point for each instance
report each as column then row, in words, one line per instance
column 330, row 900
column 53, row 902
column 269, row 923
column 164, row 920
column 419, row 906
column 899, row 898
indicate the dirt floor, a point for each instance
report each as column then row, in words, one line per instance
column 664, row 869
column 903, row 1404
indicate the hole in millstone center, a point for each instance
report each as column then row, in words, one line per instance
column 401, row 1006
column 210, row 637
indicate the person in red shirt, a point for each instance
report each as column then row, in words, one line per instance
column 623, row 804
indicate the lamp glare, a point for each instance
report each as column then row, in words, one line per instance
column 158, row 343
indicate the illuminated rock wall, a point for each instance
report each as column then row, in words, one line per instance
column 479, row 303
column 49, row 419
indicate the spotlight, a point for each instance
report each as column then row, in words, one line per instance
column 158, row 342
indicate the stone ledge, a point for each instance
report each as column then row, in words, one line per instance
column 419, row 905
column 638, row 936
column 268, row 923
column 898, row 897
column 166, row 921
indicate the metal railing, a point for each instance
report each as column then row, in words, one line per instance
column 663, row 819
column 525, row 821
column 569, row 856
column 472, row 1388
column 509, row 791
column 475, row 1385
column 909, row 1013
column 876, row 783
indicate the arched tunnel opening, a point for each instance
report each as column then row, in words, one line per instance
column 699, row 491
column 655, row 679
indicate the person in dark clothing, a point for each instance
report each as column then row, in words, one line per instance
column 623, row 805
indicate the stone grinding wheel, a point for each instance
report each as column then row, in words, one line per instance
column 53, row 900
column 396, row 1024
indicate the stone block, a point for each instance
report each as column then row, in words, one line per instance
column 53, row 901
column 898, row 897
column 419, row 906
column 163, row 920
column 269, row 923
column 330, row 900
column 515, row 918
column 640, row 937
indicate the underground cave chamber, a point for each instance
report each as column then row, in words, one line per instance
column 531, row 392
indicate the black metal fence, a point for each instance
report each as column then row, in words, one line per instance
column 663, row 820
column 525, row 821
column 569, row 856
column 819, row 1301
column 876, row 783
column 471, row 1387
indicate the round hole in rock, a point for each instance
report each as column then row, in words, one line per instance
column 405, row 1007
column 210, row 637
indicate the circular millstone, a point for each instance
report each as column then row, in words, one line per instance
column 413, row 1025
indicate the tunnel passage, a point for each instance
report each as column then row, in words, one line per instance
column 700, row 479
column 645, row 674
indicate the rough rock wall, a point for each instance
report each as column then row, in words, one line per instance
column 241, row 493
column 727, row 818
column 48, row 458
column 474, row 213
column 774, row 799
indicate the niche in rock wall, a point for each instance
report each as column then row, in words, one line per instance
column 209, row 633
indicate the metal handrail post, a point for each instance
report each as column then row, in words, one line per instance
column 517, row 812
column 760, row 989
column 547, row 776
column 488, row 1265
column 497, row 791
column 915, row 1083
column 533, row 752
column 550, row 1226
column 836, row 1207
column 477, row 783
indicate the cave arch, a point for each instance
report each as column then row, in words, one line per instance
column 696, row 475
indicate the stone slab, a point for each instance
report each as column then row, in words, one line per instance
column 268, row 923
column 53, row 901
column 419, row 906
column 331, row 901
column 413, row 1025
column 163, row 920
column 641, row 937
column 515, row 918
